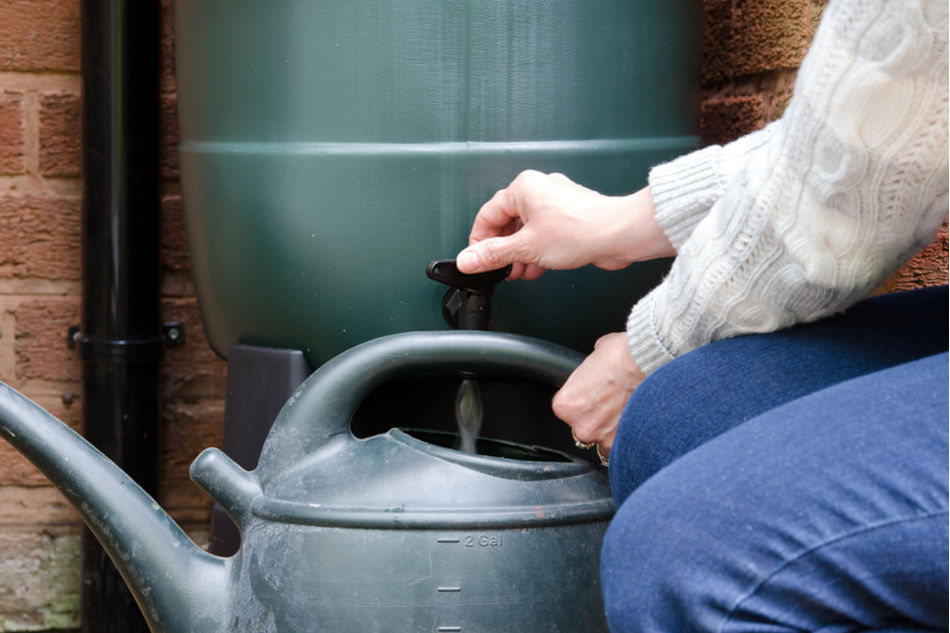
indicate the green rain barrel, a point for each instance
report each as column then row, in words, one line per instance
column 331, row 149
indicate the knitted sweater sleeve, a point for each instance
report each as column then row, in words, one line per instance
column 806, row 217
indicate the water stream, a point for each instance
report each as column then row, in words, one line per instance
column 468, row 414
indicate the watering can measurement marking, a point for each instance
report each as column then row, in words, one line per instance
column 483, row 540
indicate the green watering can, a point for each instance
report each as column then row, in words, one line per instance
column 397, row 532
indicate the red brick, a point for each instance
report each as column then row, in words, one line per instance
column 927, row 268
column 39, row 35
column 717, row 39
column 744, row 37
column 168, row 46
column 169, row 136
column 174, row 242
column 60, row 135
column 40, row 237
column 17, row 470
column 725, row 120
column 25, row 506
column 41, row 350
column 39, row 579
column 191, row 372
column 12, row 133
column 188, row 505
column 187, row 429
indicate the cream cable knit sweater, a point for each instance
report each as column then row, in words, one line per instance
column 804, row 218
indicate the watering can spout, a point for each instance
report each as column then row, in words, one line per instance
column 178, row 586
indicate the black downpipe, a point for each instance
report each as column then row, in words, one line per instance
column 120, row 336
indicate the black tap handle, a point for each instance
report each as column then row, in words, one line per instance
column 467, row 304
column 446, row 271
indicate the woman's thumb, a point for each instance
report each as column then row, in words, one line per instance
column 490, row 254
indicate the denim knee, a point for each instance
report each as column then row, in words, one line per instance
column 650, row 573
column 832, row 508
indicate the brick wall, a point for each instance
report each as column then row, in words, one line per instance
column 39, row 290
column 752, row 49
column 39, row 299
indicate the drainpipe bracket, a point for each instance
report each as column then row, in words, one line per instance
column 174, row 333
column 140, row 350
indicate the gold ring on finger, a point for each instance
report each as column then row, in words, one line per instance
column 581, row 444
column 604, row 461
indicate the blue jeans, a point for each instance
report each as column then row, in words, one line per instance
column 794, row 481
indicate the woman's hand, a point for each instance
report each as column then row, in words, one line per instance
column 542, row 222
column 594, row 396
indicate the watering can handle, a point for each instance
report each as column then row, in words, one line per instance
column 320, row 410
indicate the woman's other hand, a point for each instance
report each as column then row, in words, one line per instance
column 546, row 221
column 594, row 396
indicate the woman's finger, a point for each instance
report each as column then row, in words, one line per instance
column 497, row 217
